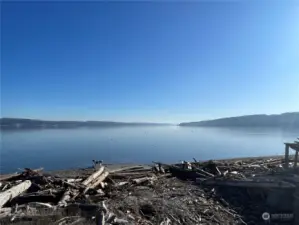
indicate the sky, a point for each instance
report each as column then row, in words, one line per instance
column 155, row 61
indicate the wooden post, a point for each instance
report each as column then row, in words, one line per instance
column 286, row 159
column 296, row 160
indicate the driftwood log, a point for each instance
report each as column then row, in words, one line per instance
column 93, row 176
column 4, row 212
column 13, row 192
column 65, row 197
column 101, row 178
column 143, row 179
column 250, row 184
column 97, row 182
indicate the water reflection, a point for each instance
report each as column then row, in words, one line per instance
column 64, row 148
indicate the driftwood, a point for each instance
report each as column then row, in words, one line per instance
column 14, row 192
column 250, row 184
column 143, row 179
column 128, row 175
column 100, row 218
column 162, row 170
column 120, row 221
column 4, row 212
column 83, row 207
column 126, row 168
column 40, row 205
column 99, row 180
column 167, row 221
column 204, row 172
column 16, row 176
column 34, row 197
column 206, row 200
column 9, row 176
column 156, row 168
column 65, row 219
column 121, row 183
column 93, row 176
column 72, row 180
column 65, row 197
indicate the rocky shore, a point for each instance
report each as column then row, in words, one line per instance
column 235, row 191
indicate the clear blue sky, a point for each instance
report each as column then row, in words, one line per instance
column 157, row 61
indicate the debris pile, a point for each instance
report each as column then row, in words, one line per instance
column 186, row 193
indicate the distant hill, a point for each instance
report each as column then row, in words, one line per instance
column 287, row 120
column 16, row 123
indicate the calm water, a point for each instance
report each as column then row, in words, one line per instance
column 65, row 148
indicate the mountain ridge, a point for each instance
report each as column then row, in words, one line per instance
column 289, row 119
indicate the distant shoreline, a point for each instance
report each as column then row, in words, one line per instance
column 284, row 120
column 16, row 123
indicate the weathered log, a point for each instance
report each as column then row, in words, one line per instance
column 5, row 212
column 143, row 179
column 130, row 174
column 167, row 221
column 120, row 221
column 121, row 183
column 65, row 197
column 162, row 170
column 93, row 176
column 9, row 176
column 72, row 180
column 28, row 170
column 125, row 168
column 13, row 192
column 204, row 172
column 99, row 180
column 225, row 173
column 96, row 182
column 67, row 184
column 156, row 168
column 100, row 218
column 64, row 220
column 40, row 205
column 249, row 184
column 78, row 221
column 218, row 171
column 77, row 207
column 34, row 197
